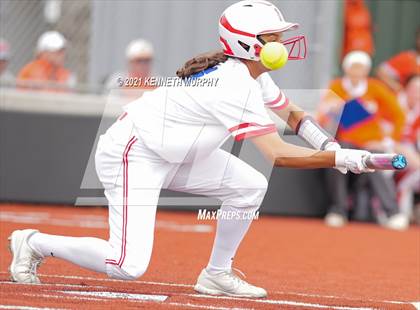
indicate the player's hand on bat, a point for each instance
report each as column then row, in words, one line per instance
column 352, row 160
column 334, row 146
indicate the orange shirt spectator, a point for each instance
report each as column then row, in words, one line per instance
column 396, row 71
column 357, row 27
column 375, row 98
column 41, row 70
column 381, row 103
column 47, row 71
column 139, row 57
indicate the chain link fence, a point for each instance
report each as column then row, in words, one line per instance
column 22, row 22
column 98, row 32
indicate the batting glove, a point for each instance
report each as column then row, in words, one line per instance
column 334, row 146
column 352, row 160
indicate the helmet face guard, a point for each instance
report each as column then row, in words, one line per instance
column 241, row 24
column 296, row 47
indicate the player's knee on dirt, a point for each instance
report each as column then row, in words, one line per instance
column 125, row 273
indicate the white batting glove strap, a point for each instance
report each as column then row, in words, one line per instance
column 352, row 160
column 334, row 146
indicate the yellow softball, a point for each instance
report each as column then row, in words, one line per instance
column 273, row 55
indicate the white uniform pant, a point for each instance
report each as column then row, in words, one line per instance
column 133, row 176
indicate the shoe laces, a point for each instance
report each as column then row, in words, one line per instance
column 236, row 278
column 34, row 263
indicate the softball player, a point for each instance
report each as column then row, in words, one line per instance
column 170, row 138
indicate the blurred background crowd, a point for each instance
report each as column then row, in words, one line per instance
column 378, row 110
column 366, row 52
column 47, row 70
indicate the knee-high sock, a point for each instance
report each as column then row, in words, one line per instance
column 229, row 234
column 86, row 252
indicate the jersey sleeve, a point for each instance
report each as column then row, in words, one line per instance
column 273, row 97
column 242, row 112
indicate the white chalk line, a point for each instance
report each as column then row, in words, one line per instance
column 116, row 280
column 190, row 305
column 103, row 296
column 119, row 295
column 93, row 221
column 343, row 297
column 63, row 297
column 415, row 303
column 26, row 307
column 190, row 286
column 282, row 302
column 99, row 222
column 268, row 301
column 176, row 304
column 141, row 298
column 57, row 285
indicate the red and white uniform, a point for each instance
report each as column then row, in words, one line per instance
column 170, row 138
column 179, row 121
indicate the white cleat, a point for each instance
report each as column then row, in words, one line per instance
column 335, row 220
column 25, row 260
column 227, row 283
column 397, row 221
